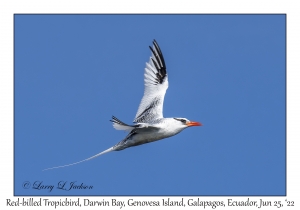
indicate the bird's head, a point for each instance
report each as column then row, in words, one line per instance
column 185, row 122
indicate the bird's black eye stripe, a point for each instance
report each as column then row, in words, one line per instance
column 182, row 120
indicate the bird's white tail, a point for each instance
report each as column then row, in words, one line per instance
column 101, row 153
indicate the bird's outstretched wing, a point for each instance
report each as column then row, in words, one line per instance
column 119, row 125
column 156, row 84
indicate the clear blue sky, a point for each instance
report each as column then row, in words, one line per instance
column 73, row 72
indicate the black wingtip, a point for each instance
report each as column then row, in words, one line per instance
column 113, row 118
column 160, row 64
column 154, row 43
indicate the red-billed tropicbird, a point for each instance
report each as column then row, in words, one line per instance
column 150, row 125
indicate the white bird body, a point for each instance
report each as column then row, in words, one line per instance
column 162, row 128
column 150, row 125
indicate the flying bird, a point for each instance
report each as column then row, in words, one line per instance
column 149, row 123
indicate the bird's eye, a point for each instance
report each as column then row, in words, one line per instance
column 181, row 120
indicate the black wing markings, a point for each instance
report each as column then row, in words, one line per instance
column 160, row 64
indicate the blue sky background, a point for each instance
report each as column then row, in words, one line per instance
column 73, row 72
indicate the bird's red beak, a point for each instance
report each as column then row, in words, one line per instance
column 193, row 124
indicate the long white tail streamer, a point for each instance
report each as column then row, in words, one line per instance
column 101, row 153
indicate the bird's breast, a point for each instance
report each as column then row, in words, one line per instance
column 150, row 136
